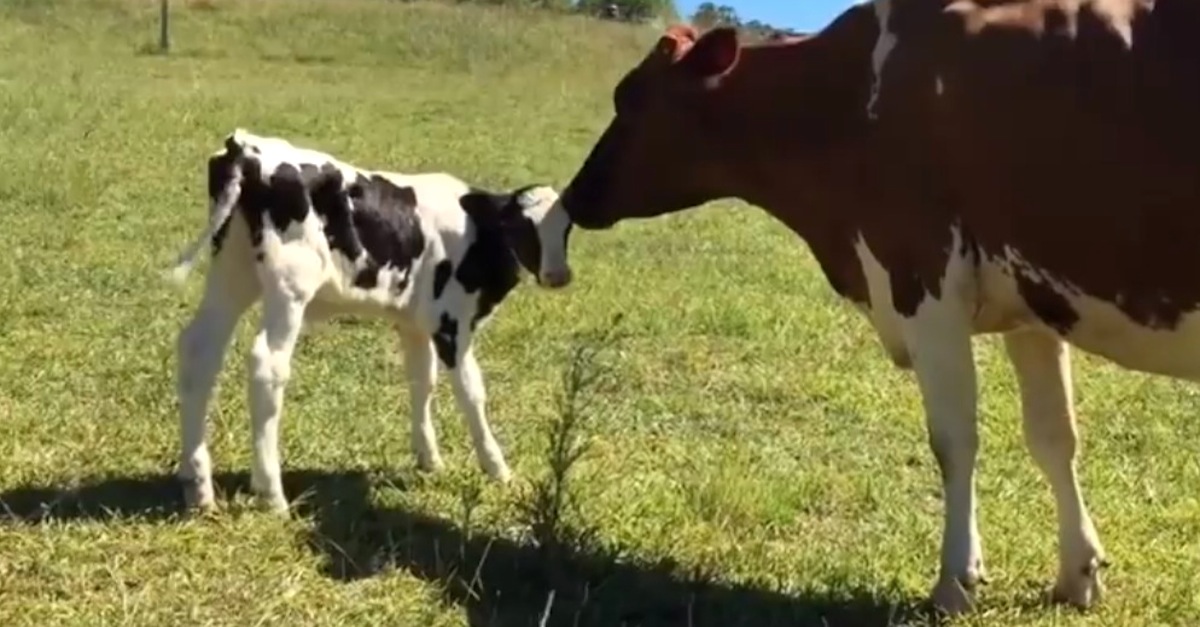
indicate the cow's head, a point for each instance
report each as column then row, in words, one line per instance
column 661, row 151
column 537, row 227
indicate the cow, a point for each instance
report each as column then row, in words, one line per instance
column 1027, row 168
column 312, row 237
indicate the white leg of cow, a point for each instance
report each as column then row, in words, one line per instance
column 289, row 283
column 421, row 366
column 1043, row 366
column 467, row 380
column 939, row 340
column 453, row 343
column 201, row 351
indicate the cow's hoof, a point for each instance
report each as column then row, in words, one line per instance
column 1080, row 588
column 499, row 473
column 198, row 496
column 275, row 504
column 952, row 597
column 430, row 464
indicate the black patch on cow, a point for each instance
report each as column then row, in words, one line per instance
column 489, row 265
column 331, row 201
column 441, row 276
column 384, row 220
column 253, row 201
column 288, row 193
column 445, row 340
column 907, row 291
column 222, row 169
column 1047, row 304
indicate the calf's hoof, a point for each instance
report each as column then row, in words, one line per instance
column 952, row 597
column 430, row 464
column 198, row 496
column 1080, row 588
column 273, row 504
column 499, row 473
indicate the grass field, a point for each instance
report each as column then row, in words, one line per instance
column 752, row 457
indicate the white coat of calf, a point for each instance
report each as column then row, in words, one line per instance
column 312, row 236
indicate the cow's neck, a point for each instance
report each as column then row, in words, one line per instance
column 794, row 115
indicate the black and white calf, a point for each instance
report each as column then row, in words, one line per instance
column 313, row 236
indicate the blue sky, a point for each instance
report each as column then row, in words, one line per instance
column 802, row 15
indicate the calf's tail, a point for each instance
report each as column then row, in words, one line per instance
column 219, row 214
column 220, row 211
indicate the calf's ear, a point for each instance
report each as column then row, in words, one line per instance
column 713, row 55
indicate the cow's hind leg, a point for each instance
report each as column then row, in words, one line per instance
column 939, row 339
column 201, row 348
column 452, row 340
column 1043, row 367
column 421, row 368
column 290, row 276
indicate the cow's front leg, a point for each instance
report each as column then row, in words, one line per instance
column 1043, row 367
column 452, row 342
column 939, row 339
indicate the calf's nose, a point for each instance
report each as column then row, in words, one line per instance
column 556, row 278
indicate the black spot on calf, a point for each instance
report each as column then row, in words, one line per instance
column 445, row 340
column 331, row 203
column 489, row 265
column 441, row 276
column 222, row 169
column 288, row 196
column 384, row 217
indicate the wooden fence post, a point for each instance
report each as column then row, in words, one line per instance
column 164, row 34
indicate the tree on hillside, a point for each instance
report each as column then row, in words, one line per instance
column 708, row 15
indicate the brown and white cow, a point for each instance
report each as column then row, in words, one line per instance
column 1030, row 168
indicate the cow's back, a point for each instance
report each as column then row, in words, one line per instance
column 1065, row 142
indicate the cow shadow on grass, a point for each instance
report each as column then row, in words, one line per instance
column 499, row 581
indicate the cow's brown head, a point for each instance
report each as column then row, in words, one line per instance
column 661, row 151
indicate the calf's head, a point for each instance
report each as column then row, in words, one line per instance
column 662, row 150
column 537, row 227
column 530, row 222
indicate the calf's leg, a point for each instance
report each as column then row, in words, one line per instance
column 290, row 279
column 201, row 349
column 453, row 344
column 939, row 339
column 1043, row 368
column 421, row 366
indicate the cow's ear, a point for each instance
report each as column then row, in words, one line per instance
column 714, row 55
column 675, row 38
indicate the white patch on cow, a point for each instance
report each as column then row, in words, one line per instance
column 879, row 55
column 302, row 278
column 938, row 337
column 1119, row 16
column 882, row 314
column 1103, row 329
column 939, row 86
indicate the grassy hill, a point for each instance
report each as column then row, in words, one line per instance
column 754, row 460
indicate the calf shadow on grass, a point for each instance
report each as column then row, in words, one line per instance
column 499, row 581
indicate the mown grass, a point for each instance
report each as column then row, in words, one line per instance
column 752, row 458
